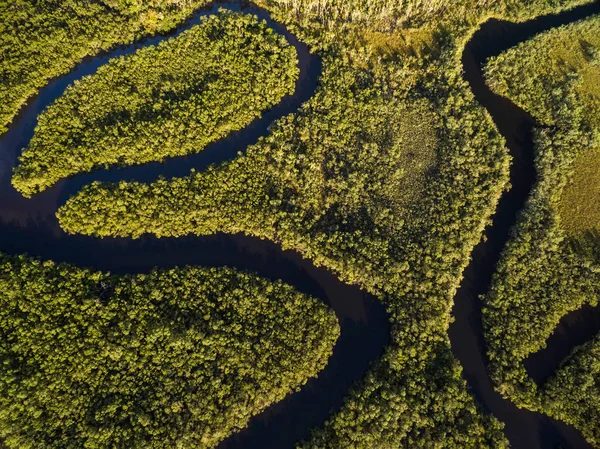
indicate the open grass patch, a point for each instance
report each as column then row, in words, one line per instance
column 579, row 207
column 530, row 72
column 550, row 266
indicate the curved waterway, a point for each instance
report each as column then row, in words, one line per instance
column 524, row 429
column 30, row 226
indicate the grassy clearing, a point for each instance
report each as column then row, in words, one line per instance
column 530, row 71
column 579, row 206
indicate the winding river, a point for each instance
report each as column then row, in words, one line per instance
column 30, row 226
column 524, row 429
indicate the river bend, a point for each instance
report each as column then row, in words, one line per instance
column 30, row 226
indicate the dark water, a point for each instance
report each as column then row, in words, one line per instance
column 29, row 226
column 524, row 429
column 575, row 329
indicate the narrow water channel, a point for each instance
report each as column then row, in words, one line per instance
column 524, row 429
column 30, row 226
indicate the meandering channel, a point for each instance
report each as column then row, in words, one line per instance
column 524, row 429
column 30, row 226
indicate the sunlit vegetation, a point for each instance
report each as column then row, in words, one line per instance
column 579, row 210
column 178, row 358
column 354, row 181
column 168, row 100
column 404, row 16
column 387, row 176
column 44, row 39
column 579, row 381
column 551, row 265
column 401, row 139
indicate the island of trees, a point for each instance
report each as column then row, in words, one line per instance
column 168, row 100
column 42, row 40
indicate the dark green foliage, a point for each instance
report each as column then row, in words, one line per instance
column 40, row 40
column 547, row 269
column 177, row 358
column 163, row 101
column 579, row 381
column 377, row 178
column 388, row 176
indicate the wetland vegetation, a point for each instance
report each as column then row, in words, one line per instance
column 550, row 267
column 388, row 177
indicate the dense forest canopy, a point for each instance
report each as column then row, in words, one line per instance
column 387, row 176
column 551, row 266
column 178, row 358
column 169, row 100
column 40, row 40
column 327, row 182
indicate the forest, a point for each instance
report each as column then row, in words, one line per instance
column 179, row 358
column 164, row 101
column 551, row 265
column 395, row 209
column 388, row 177
column 40, row 40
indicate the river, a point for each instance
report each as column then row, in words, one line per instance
column 30, row 226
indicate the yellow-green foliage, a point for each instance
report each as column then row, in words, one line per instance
column 163, row 101
column 579, row 381
column 40, row 40
column 320, row 183
column 323, row 183
column 526, row 72
column 178, row 358
column 388, row 15
column 579, row 207
column 385, row 176
column 548, row 269
column 372, row 167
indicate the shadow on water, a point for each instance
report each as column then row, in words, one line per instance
column 524, row 429
column 30, row 226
